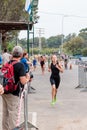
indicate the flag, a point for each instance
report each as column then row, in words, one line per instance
column 28, row 6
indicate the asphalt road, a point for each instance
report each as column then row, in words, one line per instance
column 70, row 111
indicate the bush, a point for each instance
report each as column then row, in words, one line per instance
column 84, row 51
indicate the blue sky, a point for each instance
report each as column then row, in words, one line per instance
column 60, row 16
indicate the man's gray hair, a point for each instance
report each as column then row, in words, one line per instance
column 17, row 51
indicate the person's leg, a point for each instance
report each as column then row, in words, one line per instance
column 12, row 106
column 55, row 95
column 42, row 70
column 4, row 113
column 52, row 81
column 34, row 67
column 57, row 82
column 53, row 91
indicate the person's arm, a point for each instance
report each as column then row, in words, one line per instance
column 60, row 67
column 49, row 68
column 22, row 75
column 1, row 89
column 28, row 62
column 24, row 79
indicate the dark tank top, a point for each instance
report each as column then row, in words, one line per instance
column 55, row 71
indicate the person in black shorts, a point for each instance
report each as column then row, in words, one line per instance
column 55, row 68
column 42, row 63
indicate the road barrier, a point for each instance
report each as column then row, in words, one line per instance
column 24, row 96
column 25, row 125
column 82, row 75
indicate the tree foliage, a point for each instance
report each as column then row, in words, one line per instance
column 69, row 37
column 12, row 10
column 54, row 41
column 83, row 34
column 74, row 46
column 84, row 51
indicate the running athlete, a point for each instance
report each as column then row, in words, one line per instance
column 55, row 68
column 42, row 63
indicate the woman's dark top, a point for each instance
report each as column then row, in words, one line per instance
column 55, row 71
column 42, row 63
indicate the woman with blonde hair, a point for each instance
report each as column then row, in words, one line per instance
column 55, row 68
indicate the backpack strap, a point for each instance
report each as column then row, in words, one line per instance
column 13, row 62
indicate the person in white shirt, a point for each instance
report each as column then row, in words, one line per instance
column 6, row 56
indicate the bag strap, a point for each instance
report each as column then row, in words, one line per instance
column 13, row 62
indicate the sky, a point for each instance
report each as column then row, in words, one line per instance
column 60, row 17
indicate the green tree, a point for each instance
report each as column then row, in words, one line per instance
column 83, row 34
column 12, row 10
column 54, row 41
column 69, row 37
column 74, row 46
column 84, row 51
column 10, row 47
column 43, row 42
column 23, row 42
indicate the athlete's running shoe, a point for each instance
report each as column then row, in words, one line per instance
column 52, row 103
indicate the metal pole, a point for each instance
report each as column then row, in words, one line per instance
column 26, row 106
column 28, row 43
column 40, row 47
column 33, row 40
column 16, row 38
column 62, row 34
column 0, row 42
column 62, row 39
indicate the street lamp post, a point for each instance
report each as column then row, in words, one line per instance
column 62, row 34
column 62, row 39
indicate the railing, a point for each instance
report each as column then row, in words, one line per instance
column 82, row 75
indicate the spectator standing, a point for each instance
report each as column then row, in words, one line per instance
column 6, row 56
column 11, row 100
column 0, row 61
column 26, row 63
